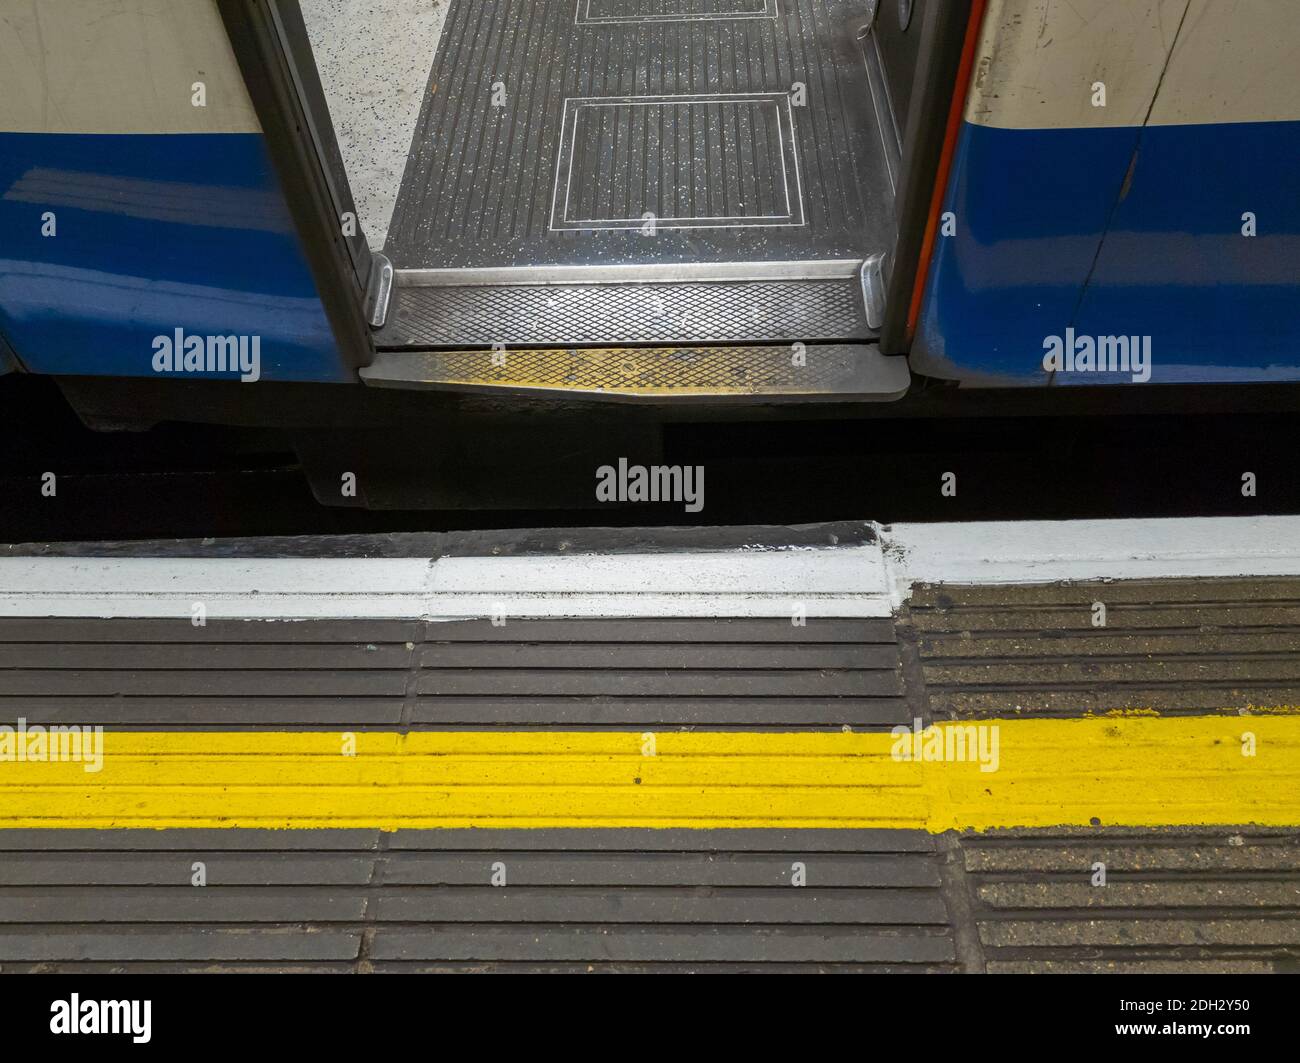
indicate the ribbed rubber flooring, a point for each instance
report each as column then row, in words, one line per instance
column 565, row 900
column 717, row 673
column 611, row 109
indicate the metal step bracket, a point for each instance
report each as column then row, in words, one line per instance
column 379, row 290
column 873, row 289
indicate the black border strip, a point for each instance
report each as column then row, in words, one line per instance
column 943, row 34
column 505, row 543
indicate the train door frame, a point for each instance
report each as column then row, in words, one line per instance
column 270, row 42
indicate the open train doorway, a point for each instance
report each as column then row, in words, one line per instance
column 675, row 192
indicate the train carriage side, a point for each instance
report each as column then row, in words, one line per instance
column 1100, row 193
column 1127, row 172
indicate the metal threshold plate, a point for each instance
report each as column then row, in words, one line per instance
column 829, row 372
column 768, row 311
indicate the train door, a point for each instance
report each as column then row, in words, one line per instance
column 648, row 198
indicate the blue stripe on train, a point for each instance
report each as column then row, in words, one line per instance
column 1028, row 259
column 154, row 232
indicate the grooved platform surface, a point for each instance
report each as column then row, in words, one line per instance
column 551, row 128
column 569, row 674
column 1205, row 876
column 1226, row 900
column 564, row 900
column 1218, row 901
column 1175, row 646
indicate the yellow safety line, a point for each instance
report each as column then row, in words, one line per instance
column 1134, row 771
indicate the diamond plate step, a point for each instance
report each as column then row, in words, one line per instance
column 692, row 312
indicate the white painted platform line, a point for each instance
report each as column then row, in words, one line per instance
column 827, row 582
column 1053, row 551
column 847, row 581
column 850, row 581
column 225, row 587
